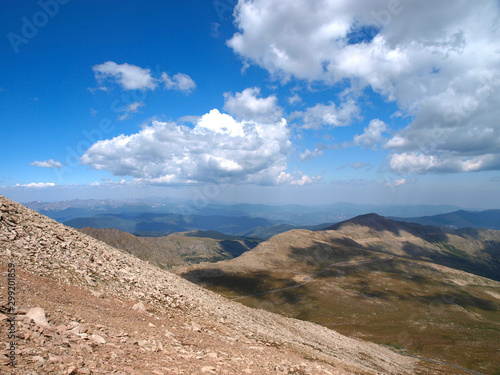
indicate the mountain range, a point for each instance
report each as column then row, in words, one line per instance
column 161, row 217
column 489, row 219
column 427, row 291
column 411, row 299
column 291, row 214
column 151, row 224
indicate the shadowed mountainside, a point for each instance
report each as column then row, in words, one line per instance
column 398, row 284
column 472, row 250
column 177, row 248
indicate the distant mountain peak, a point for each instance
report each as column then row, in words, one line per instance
column 371, row 217
column 372, row 220
column 379, row 223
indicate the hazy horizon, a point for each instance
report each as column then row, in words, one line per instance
column 199, row 201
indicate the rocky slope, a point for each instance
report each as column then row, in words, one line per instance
column 104, row 311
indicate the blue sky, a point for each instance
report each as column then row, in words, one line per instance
column 313, row 101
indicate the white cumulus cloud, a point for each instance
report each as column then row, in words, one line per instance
column 328, row 115
column 444, row 75
column 132, row 77
column 309, row 155
column 247, row 105
column 296, row 178
column 129, row 109
column 294, row 99
column 400, row 182
column 218, row 148
column 318, row 151
column 392, row 183
column 372, row 134
column 415, row 162
column 37, row 185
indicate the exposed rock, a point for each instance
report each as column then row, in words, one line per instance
column 74, row 328
column 97, row 294
column 139, row 306
column 37, row 314
column 99, row 340
column 195, row 327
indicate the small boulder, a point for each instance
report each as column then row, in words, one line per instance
column 97, row 294
column 139, row 306
column 96, row 339
column 37, row 314
column 196, row 327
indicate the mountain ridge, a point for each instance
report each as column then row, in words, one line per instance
column 435, row 243
column 487, row 219
column 292, row 214
column 431, row 283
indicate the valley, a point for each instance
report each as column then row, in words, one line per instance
column 177, row 248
